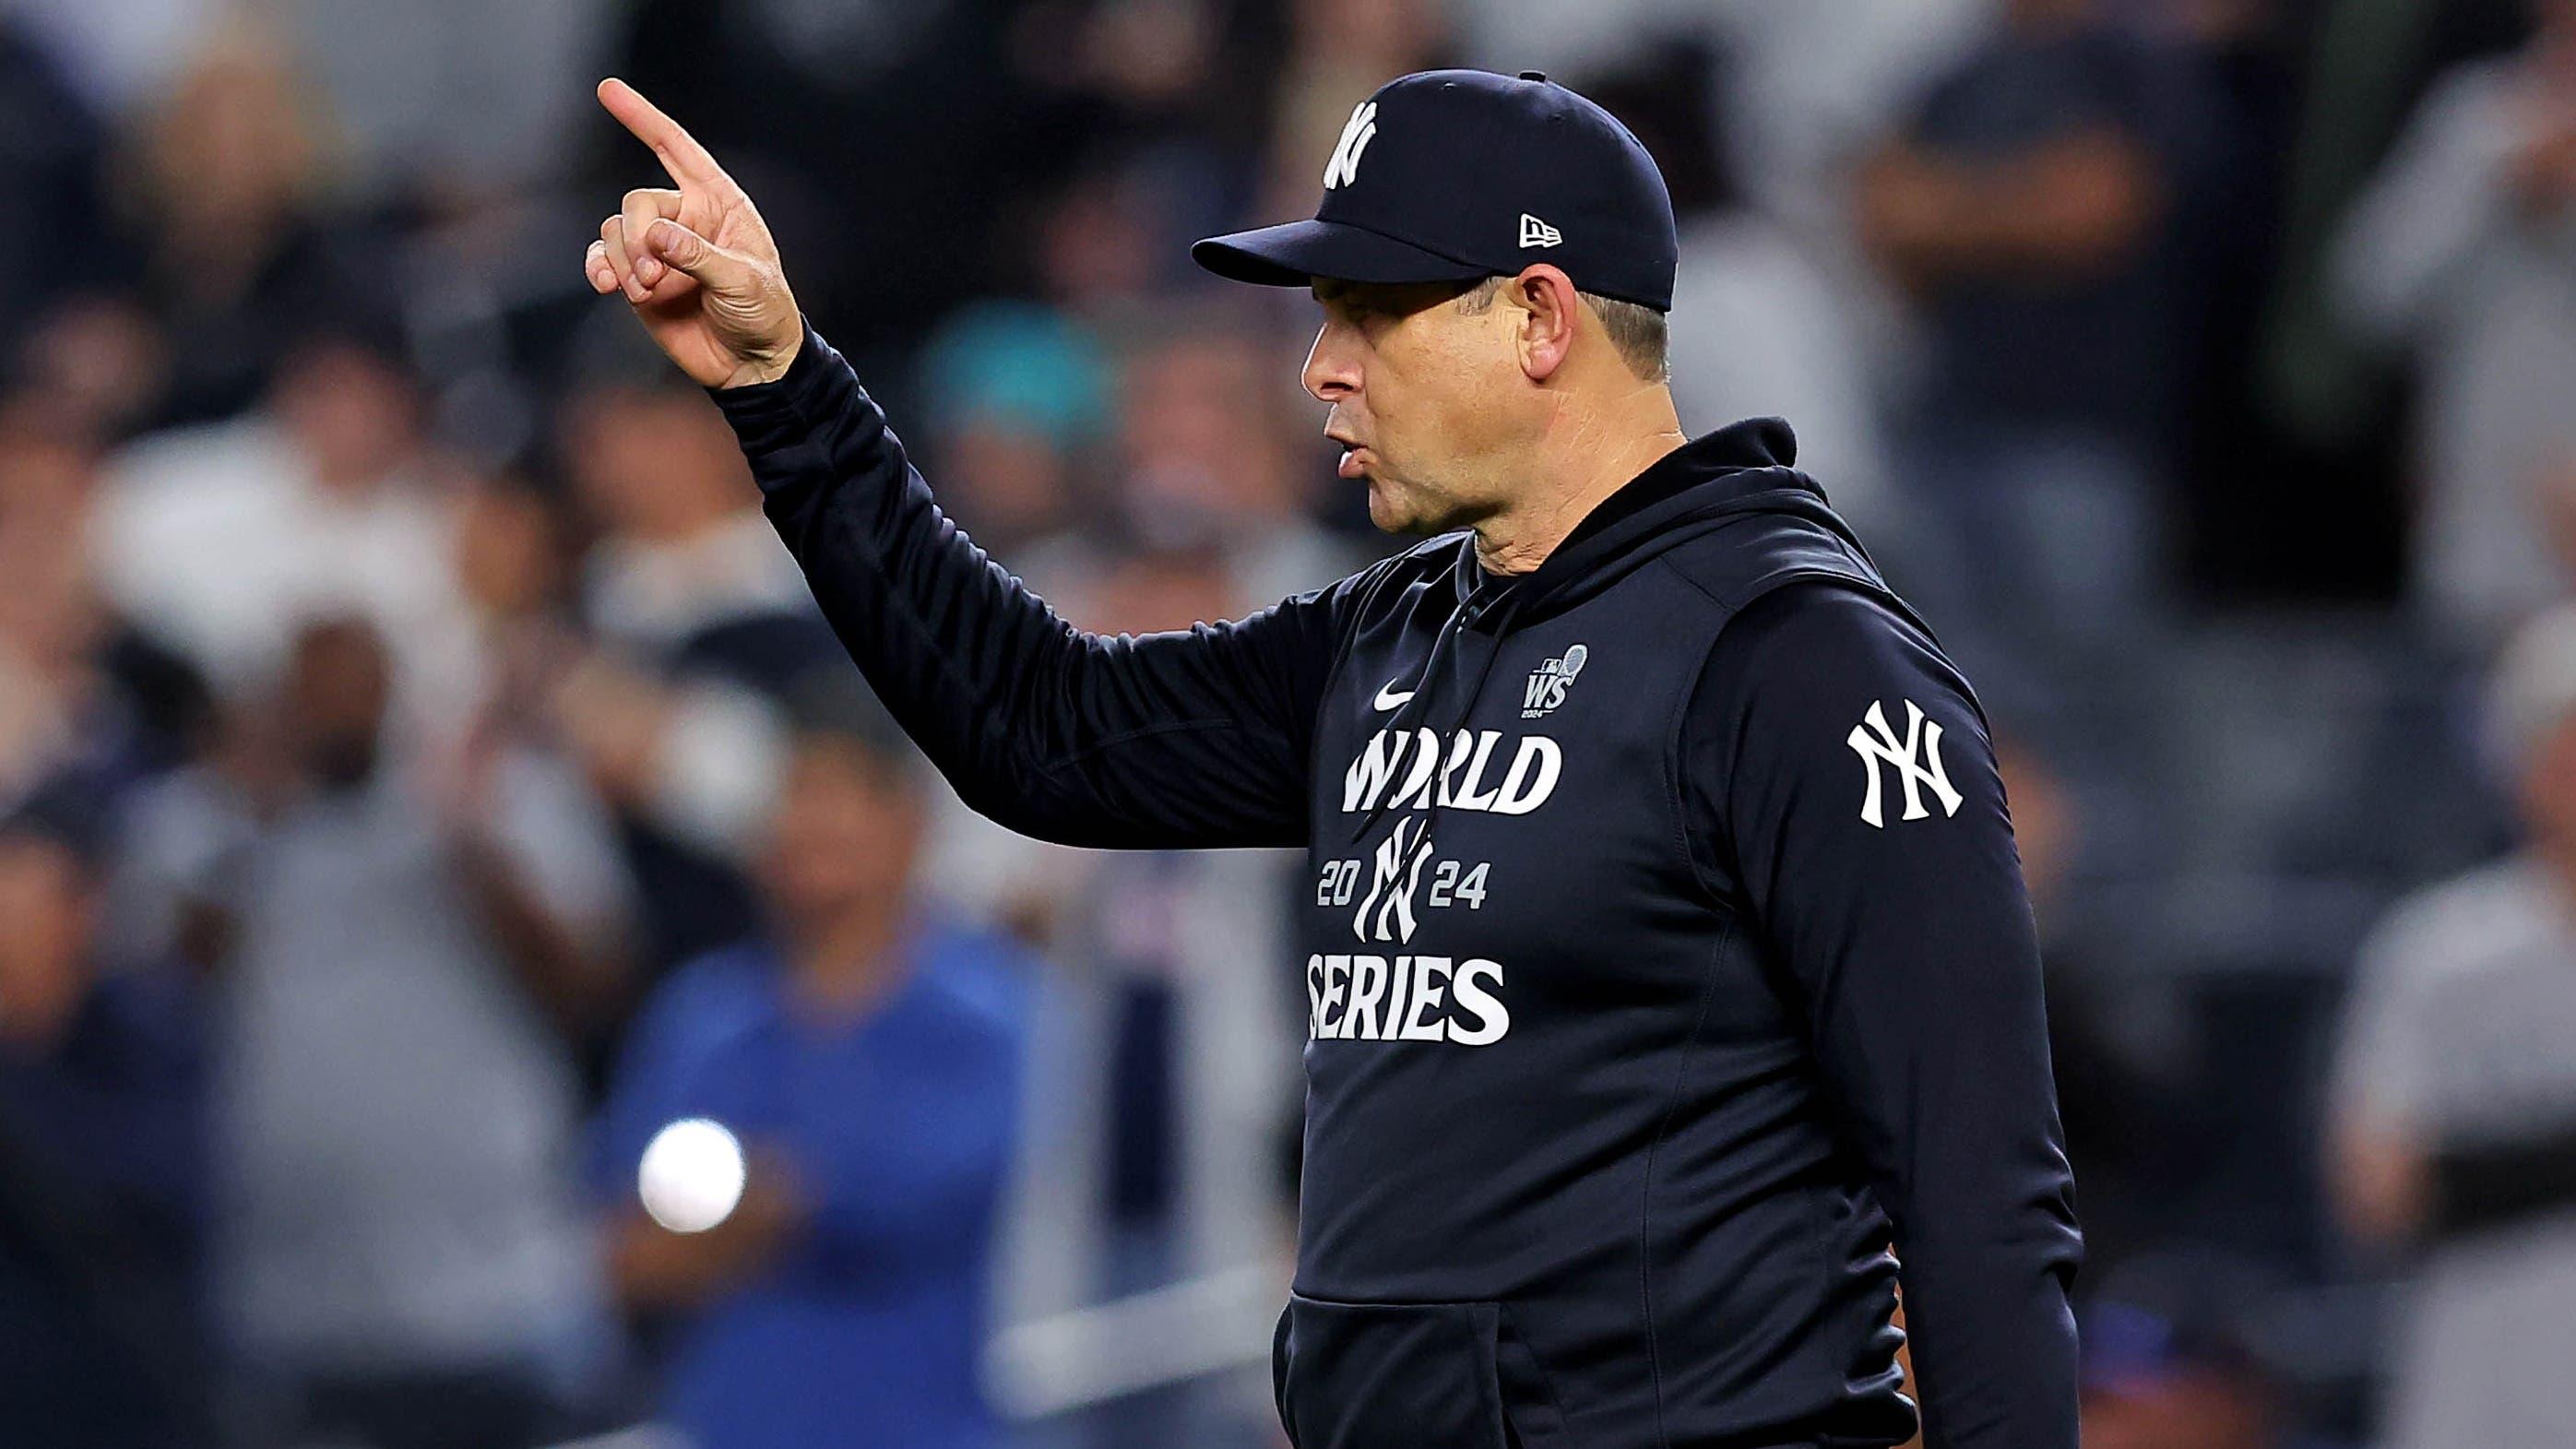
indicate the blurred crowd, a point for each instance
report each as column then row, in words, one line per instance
column 423, row 776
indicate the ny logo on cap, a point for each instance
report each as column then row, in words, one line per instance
column 1536, row 233
column 1344, row 168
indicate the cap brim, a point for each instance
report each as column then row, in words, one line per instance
column 1295, row 253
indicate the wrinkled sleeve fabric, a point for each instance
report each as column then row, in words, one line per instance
column 1189, row 738
column 1892, row 896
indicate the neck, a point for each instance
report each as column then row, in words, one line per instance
column 844, row 965
column 1584, row 455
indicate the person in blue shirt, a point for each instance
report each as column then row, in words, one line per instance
column 866, row 1054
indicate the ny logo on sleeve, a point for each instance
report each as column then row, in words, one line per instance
column 1916, row 758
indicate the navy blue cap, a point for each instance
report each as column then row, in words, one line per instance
column 1454, row 175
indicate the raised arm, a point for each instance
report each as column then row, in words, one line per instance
column 1180, row 739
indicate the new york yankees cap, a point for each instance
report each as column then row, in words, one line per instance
column 1455, row 175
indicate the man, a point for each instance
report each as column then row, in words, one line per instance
column 397, row 1249
column 102, row 1167
column 2028, row 208
column 2454, row 1094
column 869, row 1056
column 2460, row 253
column 1668, row 954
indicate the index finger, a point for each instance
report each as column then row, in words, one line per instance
column 682, row 156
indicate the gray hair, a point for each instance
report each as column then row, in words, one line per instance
column 1641, row 334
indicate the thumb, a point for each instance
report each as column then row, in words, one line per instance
column 697, row 256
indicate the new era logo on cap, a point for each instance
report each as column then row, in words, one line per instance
column 1536, row 233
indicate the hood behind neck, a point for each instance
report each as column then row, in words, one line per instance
column 1701, row 485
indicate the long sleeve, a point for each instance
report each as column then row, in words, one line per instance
column 1839, row 771
column 1182, row 739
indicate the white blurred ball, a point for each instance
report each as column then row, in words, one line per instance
column 691, row 1176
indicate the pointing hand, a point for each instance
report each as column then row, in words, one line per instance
column 697, row 263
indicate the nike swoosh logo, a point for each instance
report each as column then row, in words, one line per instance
column 1389, row 697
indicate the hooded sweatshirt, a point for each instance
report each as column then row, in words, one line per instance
column 1669, row 968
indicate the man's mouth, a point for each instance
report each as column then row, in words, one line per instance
column 1350, row 467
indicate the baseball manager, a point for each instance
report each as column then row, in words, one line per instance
column 1673, row 990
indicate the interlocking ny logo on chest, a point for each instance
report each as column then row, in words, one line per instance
column 1549, row 682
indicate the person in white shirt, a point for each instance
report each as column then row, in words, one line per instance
column 2453, row 1103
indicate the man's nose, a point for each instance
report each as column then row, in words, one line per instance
column 1332, row 369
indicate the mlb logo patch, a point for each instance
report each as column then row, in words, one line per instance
column 1549, row 682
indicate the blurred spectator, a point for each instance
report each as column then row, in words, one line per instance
column 79, row 688
column 1760, row 330
column 400, row 1260
column 2464, row 252
column 2024, row 207
column 1340, row 51
column 1204, row 458
column 1094, row 243
column 2454, row 1098
column 1169, row 76
column 1810, row 90
column 2369, row 63
column 222, row 211
column 221, row 538
column 511, row 551
column 682, row 560
column 866, row 1052
column 102, row 1161
column 1209, row 515
column 1763, row 326
column 394, row 74
column 702, row 618
column 91, row 369
column 1017, row 395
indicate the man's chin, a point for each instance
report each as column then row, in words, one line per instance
column 1393, row 513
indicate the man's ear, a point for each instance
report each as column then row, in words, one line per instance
column 1549, row 310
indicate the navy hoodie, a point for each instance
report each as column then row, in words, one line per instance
column 1669, row 968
